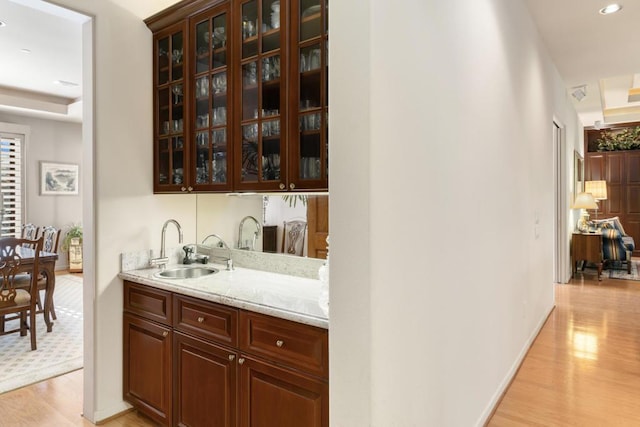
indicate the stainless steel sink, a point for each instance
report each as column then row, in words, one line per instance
column 186, row 272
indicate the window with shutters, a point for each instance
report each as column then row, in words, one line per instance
column 11, row 184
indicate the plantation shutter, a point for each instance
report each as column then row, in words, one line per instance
column 11, row 184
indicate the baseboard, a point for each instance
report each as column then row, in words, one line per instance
column 506, row 382
column 103, row 417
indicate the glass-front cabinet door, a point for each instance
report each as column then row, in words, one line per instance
column 308, row 167
column 260, row 153
column 212, row 105
column 170, row 151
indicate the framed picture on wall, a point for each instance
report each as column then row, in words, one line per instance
column 58, row 179
column 578, row 174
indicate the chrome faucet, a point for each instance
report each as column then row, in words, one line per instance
column 255, row 234
column 221, row 244
column 163, row 260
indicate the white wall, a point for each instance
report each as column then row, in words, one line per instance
column 126, row 215
column 442, row 117
column 51, row 141
column 426, row 329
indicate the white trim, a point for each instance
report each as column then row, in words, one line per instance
column 506, row 382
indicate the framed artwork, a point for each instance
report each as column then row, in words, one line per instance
column 578, row 174
column 58, row 179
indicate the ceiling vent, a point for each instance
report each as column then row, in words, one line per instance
column 579, row 92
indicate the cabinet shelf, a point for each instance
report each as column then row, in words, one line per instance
column 250, row 39
column 309, row 18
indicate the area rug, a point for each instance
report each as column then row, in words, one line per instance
column 620, row 271
column 58, row 352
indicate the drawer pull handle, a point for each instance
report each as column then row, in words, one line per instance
column 241, row 360
column 231, row 357
column 279, row 343
column 165, row 333
column 200, row 319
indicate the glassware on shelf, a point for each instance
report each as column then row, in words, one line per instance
column 177, row 93
column 219, row 83
column 177, row 56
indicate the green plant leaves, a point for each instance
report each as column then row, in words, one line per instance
column 625, row 139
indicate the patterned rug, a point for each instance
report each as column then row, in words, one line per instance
column 620, row 271
column 59, row 351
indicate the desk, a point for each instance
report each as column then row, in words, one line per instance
column 587, row 247
column 47, row 265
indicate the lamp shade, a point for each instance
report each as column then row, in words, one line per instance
column 585, row 201
column 597, row 188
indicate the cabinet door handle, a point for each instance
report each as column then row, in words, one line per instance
column 200, row 319
column 282, row 186
column 190, row 188
column 183, row 189
column 279, row 343
column 241, row 360
column 165, row 333
column 231, row 357
column 292, row 186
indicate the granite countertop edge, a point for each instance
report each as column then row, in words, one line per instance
column 189, row 287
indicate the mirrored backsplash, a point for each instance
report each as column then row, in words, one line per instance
column 256, row 222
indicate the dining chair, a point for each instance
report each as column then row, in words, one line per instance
column 17, row 257
column 51, row 237
column 293, row 237
column 30, row 231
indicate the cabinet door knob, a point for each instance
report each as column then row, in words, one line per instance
column 241, row 360
column 200, row 319
column 183, row 189
column 279, row 343
column 190, row 188
column 231, row 357
column 282, row 186
column 292, row 186
column 165, row 333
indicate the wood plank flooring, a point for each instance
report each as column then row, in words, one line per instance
column 56, row 402
column 584, row 367
column 582, row 370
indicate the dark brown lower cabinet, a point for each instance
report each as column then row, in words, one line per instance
column 271, row 396
column 194, row 366
column 205, row 383
column 147, row 367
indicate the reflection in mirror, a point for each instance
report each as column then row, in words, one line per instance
column 222, row 214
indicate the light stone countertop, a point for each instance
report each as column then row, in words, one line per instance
column 279, row 295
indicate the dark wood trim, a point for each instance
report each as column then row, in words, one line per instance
column 179, row 12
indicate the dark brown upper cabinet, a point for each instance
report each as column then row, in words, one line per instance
column 240, row 96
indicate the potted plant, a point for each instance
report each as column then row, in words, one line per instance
column 72, row 243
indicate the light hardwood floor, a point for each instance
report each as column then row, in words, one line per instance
column 56, row 402
column 582, row 370
column 584, row 367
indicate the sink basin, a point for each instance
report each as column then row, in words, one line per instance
column 186, row 272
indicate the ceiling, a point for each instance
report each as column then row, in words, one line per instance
column 590, row 50
column 595, row 50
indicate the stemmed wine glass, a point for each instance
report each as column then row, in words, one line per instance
column 177, row 91
column 177, row 55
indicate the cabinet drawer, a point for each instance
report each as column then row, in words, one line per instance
column 206, row 319
column 301, row 346
column 148, row 302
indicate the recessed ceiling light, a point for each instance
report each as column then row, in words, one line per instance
column 65, row 83
column 2, row 24
column 612, row 8
column 25, row 50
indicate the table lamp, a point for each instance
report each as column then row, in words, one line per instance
column 584, row 201
column 598, row 189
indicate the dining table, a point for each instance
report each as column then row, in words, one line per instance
column 47, row 267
